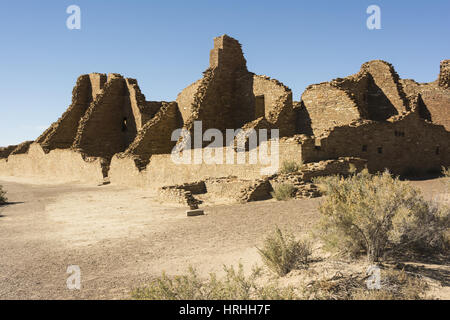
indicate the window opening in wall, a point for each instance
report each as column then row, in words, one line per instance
column 317, row 148
column 438, row 151
column 124, row 124
column 380, row 149
column 364, row 148
column 260, row 110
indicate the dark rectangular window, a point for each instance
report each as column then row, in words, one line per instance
column 317, row 148
column 364, row 148
column 380, row 149
column 438, row 151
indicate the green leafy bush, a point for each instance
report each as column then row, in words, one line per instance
column 283, row 253
column 373, row 214
column 284, row 191
column 234, row 286
column 3, row 198
column 290, row 166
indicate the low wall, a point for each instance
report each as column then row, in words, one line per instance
column 162, row 171
column 58, row 164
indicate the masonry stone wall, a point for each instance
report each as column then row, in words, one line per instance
column 435, row 100
column 162, row 170
column 155, row 136
column 328, row 107
column 108, row 126
column 22, row 148
column 6, row 151
column 62, row 165
column 385, row 90
column 444, row 75
column 402, row 144
column 278, row 104
column 373, row 115
column 231, row 97
column 61, row 134
column 185, row 99
column 374, row 93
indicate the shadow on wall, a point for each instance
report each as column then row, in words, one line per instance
column 378, row 105
column 303, row 120
column 424, row 113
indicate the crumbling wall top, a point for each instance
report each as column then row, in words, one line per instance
column 444, row 75
column 227, row 53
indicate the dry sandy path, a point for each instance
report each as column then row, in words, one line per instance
column 121, row 238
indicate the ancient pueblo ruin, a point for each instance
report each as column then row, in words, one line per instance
column 112, row 134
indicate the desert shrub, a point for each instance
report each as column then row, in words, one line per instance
column 234, row 286
column 282, row 253
column 3, row 198
column 290, row 166
column 394, row 285
column 446, row 172
column 284, row 191
column 373, row 214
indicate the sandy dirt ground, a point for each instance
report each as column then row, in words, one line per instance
column 122, row 238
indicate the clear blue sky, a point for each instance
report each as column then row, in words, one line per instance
column 165, row 45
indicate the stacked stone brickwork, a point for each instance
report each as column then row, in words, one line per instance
column 111, row 130
column 6, row 151
column 61, row 134
column 435, row 96
column 374, row 93
column 230, row 97
column 404, row 143
column 179, row 196
column 155, row 136
column 110, row 119
column 257, row 191
column 444, row 75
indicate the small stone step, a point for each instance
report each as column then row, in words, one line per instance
column 194, row 213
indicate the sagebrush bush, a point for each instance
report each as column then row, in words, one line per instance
column 234, row 286
column 3, row 198
column 284, row 191
column 290, row 166
column 282, row 253
column 372, row 214
column 394, row 285
column 446, row 172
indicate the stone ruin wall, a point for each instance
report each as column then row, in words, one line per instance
column 218, row 100
column 328, row 107
column 444, row 75
column 6, row 151
column 61, row 134
column 404, row 144
column 374, row 93
column 110, row 118
column 435, row 96
column 231, row 97
column 161, row 170
column 185, row 100
column 55, row 165
column 385, row 84
column 278, row 104
column 155, row 136
column 239, row 190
